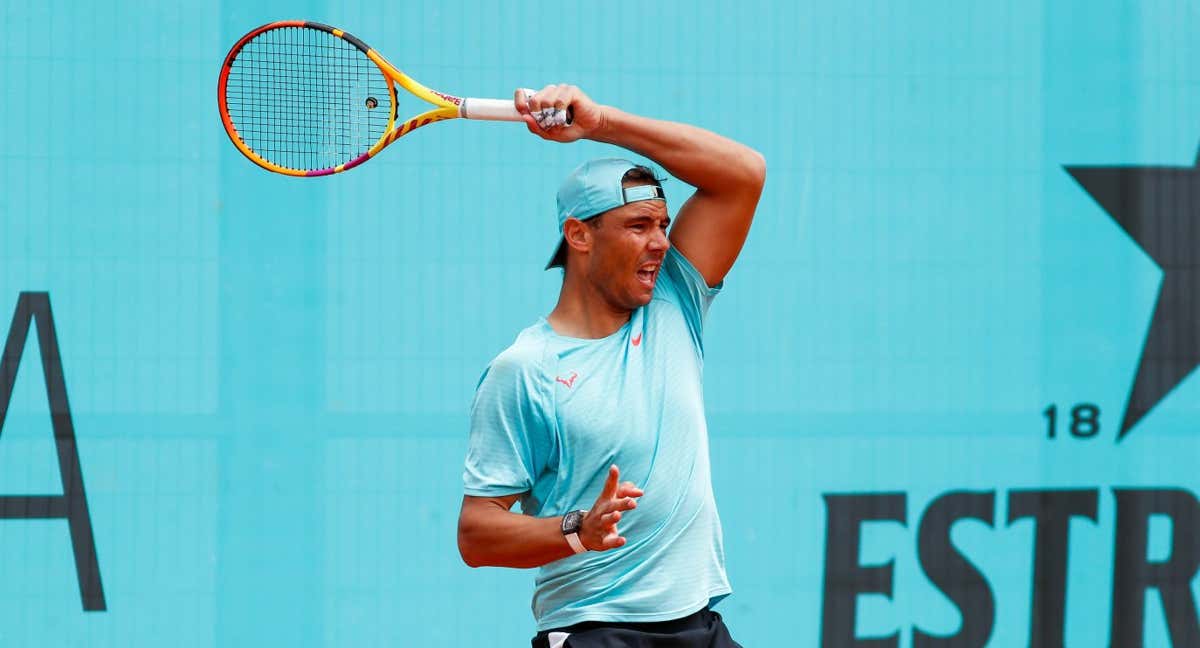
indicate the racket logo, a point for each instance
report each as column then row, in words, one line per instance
column 457, row 101
column 569, row 382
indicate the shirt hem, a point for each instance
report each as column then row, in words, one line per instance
column 493, row 492
column 634, row 617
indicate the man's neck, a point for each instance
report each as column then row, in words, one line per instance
column 582, row 311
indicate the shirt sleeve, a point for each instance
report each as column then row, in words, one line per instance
column 509, row 439
column 688, row 289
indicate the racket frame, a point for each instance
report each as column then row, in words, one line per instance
column 445, row 106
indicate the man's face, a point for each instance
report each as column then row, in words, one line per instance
column 629, row 245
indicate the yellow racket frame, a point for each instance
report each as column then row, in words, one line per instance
column 445, row 106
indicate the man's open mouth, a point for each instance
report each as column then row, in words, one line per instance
column 647, row 273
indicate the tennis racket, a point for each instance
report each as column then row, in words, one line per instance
column 306, row 99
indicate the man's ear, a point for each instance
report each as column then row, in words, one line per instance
column 577, row 235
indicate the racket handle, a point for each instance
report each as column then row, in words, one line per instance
column 504, row 110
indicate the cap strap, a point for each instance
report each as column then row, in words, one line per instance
column 643, row 192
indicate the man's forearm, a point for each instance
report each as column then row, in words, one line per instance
column 495, row 537
column 701, row 158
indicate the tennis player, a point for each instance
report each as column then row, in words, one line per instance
column 594, row 417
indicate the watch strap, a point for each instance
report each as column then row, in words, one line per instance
column 575, row 542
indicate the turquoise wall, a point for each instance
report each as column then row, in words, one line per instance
column 269, row 377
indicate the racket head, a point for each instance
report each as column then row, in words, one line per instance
column 305, row 99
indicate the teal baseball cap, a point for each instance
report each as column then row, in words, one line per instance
column 593, row 188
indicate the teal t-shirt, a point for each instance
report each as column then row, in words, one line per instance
column 552, row 413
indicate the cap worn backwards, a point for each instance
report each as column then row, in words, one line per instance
column 593, row 188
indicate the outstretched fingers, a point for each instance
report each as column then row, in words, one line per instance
column 615, row 498
column 628, row 489
column 610, row 484
column 610, row 519
column 612, row 541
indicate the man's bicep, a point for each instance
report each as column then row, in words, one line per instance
column 477, row 524
column 474, row 506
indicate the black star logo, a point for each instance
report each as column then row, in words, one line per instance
column 1159, row 207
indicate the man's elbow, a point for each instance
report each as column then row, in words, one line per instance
column 749, row 170
column 467, row 548
column 756, row 169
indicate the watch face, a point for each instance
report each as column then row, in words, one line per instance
column 571, row 522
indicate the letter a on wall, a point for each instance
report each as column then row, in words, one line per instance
column 72, row 504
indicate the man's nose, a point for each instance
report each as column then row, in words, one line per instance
column 660, row 241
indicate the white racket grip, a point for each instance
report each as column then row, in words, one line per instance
column 489, row 109
column 505, row 110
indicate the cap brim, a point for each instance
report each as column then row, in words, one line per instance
column 559, row 258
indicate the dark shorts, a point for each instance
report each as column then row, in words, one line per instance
column 704, row 629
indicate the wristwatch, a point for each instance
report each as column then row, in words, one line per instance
column 571, row 524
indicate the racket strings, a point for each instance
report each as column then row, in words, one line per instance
column 305, row 99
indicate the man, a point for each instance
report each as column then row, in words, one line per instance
column 609, row 384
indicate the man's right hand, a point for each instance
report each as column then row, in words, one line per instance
column 599, row 529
